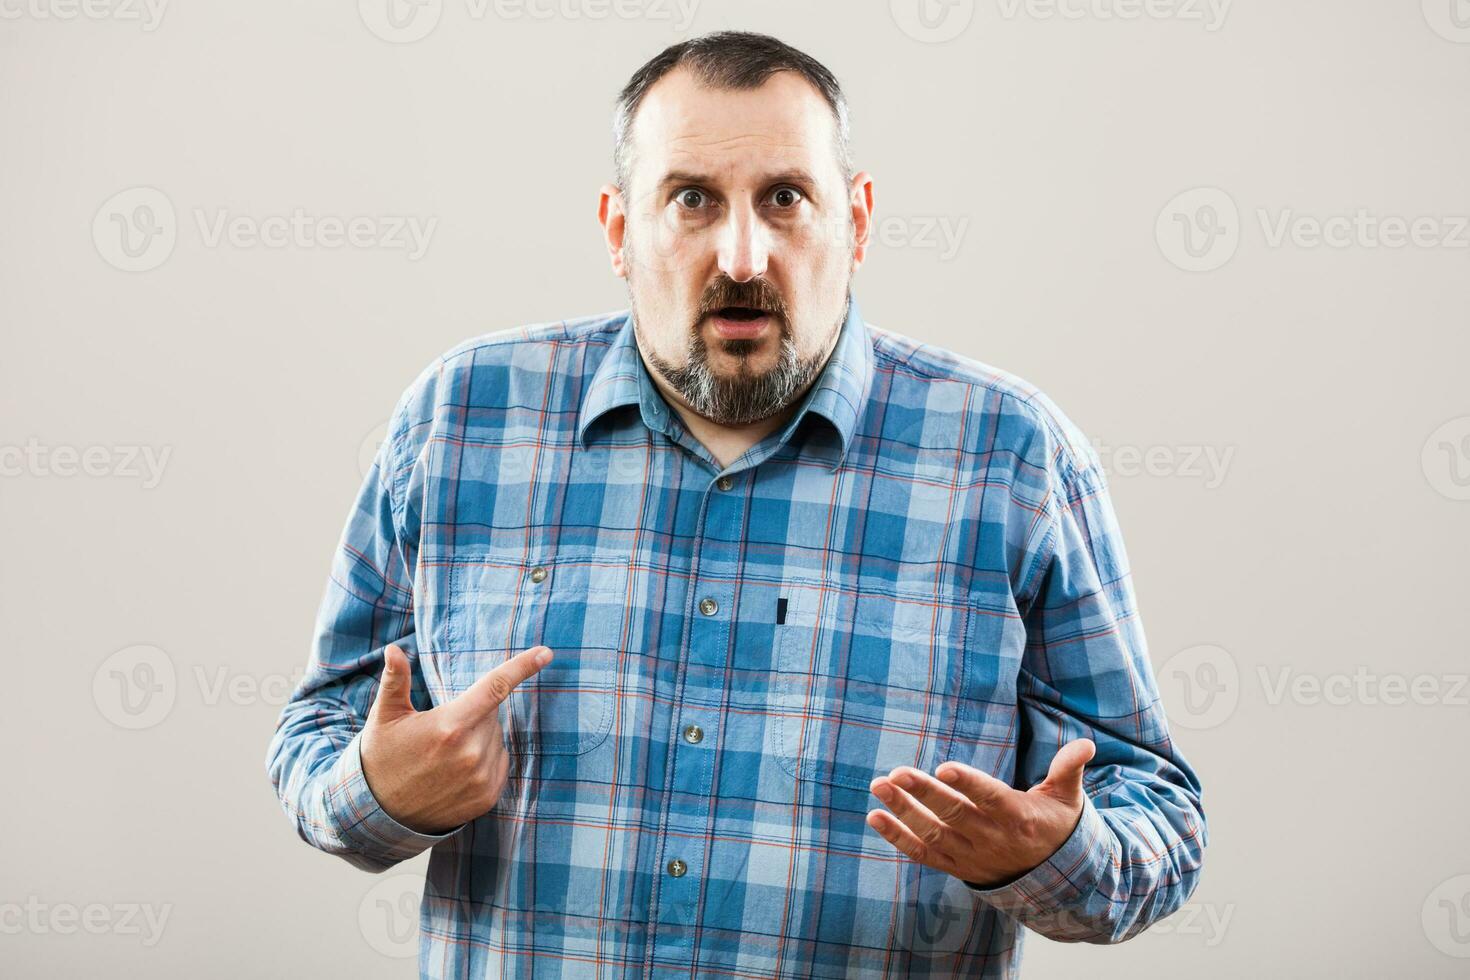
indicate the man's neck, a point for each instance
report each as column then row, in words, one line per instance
column 724, row 442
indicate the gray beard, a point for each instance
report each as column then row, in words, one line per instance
column 745, row 397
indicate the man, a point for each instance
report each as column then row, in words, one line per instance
column 730, row 635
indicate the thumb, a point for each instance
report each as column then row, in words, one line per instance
column 1064, row 777
column 393, row 700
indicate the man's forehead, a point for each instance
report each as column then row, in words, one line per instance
column 684, row 125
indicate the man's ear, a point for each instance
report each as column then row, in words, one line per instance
column 861, row 199
column 612, row 217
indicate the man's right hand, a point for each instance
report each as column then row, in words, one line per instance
column 433, row 770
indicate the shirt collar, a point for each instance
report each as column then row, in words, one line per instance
column 837, row 395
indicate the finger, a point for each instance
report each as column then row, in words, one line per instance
column 489, row 692
column 1064, row 776
column 394, row 697
column 928, row 828
column 980, row 788
column 891, row 829
column 949, row 805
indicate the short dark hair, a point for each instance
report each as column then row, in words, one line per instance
column 728, row 60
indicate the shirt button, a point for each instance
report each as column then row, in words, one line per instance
column 538, row 574
column 677, row 868
column 708, row 606
column 724, row 483
column 694, row 734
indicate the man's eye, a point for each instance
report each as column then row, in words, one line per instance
column 690, row 198
column 786, row 197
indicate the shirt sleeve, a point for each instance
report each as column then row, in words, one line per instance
column 314, row 758
column 1135, row 854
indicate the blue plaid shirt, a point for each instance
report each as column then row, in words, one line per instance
column 922, row 565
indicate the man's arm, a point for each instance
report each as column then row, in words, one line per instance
column 1106, row 833
column 1135, row 853
column 314, row 758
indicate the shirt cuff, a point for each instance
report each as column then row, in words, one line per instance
column 1066, row 878
column 362, row 823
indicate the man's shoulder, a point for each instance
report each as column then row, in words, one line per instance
column 1016, row 411
column 506, row 365
column 509, row 344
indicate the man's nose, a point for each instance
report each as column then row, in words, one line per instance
column 743, row 247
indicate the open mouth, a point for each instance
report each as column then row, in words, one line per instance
column 740, row 314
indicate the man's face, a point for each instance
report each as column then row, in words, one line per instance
column 738, row 241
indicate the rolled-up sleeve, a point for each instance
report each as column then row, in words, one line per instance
column 1136, row 852
column 314, row 758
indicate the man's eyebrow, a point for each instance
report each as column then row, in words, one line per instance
column 793, row 175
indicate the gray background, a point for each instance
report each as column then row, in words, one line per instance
column 1303, row 594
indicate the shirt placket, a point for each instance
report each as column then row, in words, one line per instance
column 695, row 720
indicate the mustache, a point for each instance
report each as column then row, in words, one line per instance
column 756, row 294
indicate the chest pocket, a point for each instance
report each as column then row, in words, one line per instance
column 866, row 681
column 577, row 606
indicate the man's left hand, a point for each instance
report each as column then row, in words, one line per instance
column 969, row 824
